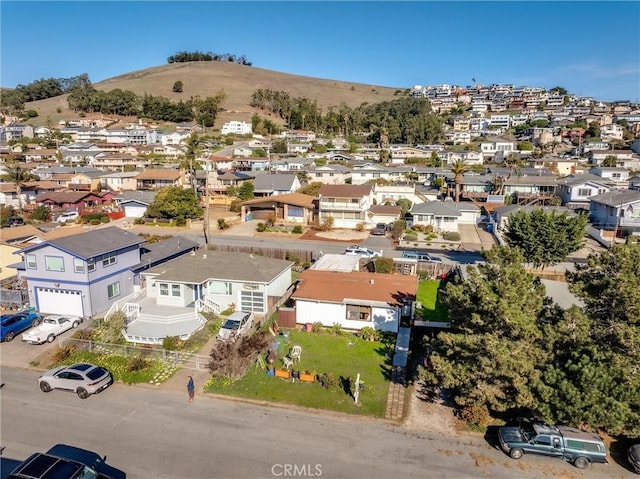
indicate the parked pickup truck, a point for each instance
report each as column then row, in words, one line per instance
column 50, row 328
column 577, row 447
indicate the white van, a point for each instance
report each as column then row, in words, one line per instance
column 70, row 216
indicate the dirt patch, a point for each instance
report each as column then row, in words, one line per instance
column 425, row 415
column 343, row 236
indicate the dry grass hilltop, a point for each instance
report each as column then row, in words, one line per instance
column 206, row 79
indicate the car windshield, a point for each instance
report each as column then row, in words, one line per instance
column 231, row 324
column 50, row 321
column 88, row 473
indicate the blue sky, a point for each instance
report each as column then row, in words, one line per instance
column 590, row 48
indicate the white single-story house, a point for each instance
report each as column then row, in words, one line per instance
column 355, row 299
column 444, row 215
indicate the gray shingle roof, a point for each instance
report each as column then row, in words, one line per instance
column 277, row 182
column 617, row 197
column 96, row 242
column 221, row 265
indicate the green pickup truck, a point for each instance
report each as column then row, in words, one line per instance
column 577, row 447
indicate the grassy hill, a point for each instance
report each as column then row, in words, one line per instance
column 205, row 79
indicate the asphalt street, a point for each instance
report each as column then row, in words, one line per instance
column 149, row 433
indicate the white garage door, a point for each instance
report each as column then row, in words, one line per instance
column 59, row 301
column 134, row 211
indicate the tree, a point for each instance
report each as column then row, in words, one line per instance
column 405, row 204
column 311, row 189
column 545, row 238
column 245, row 191
column 177, row 87
column 458, row 168
column 490, row 356
column 175, row 202
column 610, row 161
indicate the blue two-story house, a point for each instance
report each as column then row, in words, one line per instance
column 82, row 274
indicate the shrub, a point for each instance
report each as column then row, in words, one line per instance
column 369, row 334
column 139, row 221
column 411, row 237
column 336, row 329
column 62, row 354
column 261, row 227
column 317, row 327
column 297, row 230
column 40, row 213
column 85, row 334
column 477, row 415
column 327, row 224
column 137, row 363
column 384, row 265
column 360, row 227
column 451, row 235
column 235, row 206
column 181, row 221
column 171, row 343
column 94, row 222
column 94, row 218
column 222, row 224
column 111, row 331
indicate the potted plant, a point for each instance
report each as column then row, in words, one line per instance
column 283, row 373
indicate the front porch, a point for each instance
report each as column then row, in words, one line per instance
column 149, row 322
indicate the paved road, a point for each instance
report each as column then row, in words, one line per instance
column 156, row 434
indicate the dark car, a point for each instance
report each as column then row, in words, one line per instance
column 633, row 455
column 15, row 221
column 379, row 230
column 88, row 458
column 12, row 324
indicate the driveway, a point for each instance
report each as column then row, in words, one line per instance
column 474, row 238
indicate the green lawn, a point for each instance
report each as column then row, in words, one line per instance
column 429, row 307
column 323, row 353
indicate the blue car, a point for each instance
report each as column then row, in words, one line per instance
column 12, row 324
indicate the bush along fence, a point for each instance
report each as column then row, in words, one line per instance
column 183, row 359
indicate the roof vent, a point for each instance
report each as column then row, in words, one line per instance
column 371, row 281
column 204, row 256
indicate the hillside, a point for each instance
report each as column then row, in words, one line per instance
column 205, row 79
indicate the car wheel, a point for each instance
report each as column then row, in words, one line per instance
column 44, row 387
column 35, row 322
column 581, row 462
column 82, row 393
column 51, row 338
column 9, row 336
column 75, row 324
column 516, row 453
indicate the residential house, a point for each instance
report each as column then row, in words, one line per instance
column 299, row 136
column 634, row 183
column 273, row 184
column 157, row 178
column 392, row 193
column 530, row 187
column 82, row 274
column 285, row 165
column 449, row 157
column 291, row 208
column 612, row 131
column 618, row 176
column 176, row 291
column 502, row 213
column 576, row 190
column 220, row 183
column 384, row 213
column 346, row 204
column 217, row 163
column 298, row 148
column 365, row 173
column 624, row 158
column 560, row 165
column 135, row 203
column 21, row 234
column 119, row 162
column 40, row 155
column 251, row 164
column 617, row 210
column 472, row 187
column 444, row 215
column 332, row 174
column 398, row 154
column 497, row 150
column 119, row 181
column 236, row 128
column 355, row 300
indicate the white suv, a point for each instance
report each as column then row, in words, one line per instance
column 70, row 216
column 237, row 324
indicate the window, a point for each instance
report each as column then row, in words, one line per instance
column 358, row 313
column 113, row 290
column 78, row 265
column 31, row 261
column 54, row 263
column 175, row 290
column 91, row 265
column 220, row 287
column 164, row 289
column 584, row 191
column 108, row 259
column 544, row 440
